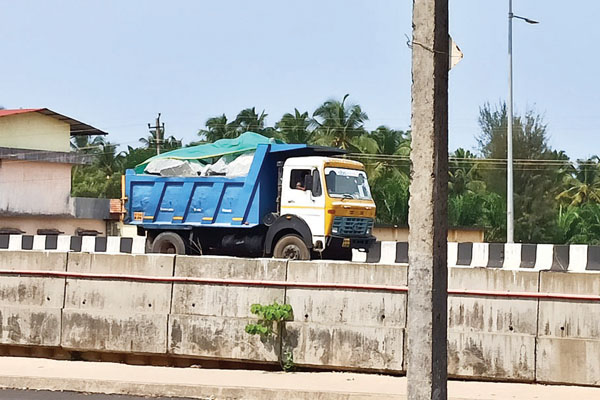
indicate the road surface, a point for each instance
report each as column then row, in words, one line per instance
column 106, row 378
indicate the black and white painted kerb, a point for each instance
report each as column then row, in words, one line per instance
column 535, row 257
column 89, row 244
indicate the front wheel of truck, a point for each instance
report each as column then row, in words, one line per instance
column 168, row 243
column 291, row 247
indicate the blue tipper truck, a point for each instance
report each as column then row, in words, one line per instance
column 296, row 201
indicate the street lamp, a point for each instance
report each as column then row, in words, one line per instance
column 510, row 229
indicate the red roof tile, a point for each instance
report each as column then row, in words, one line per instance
column 4, row 113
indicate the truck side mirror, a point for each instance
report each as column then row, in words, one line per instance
column 308, row 182
column 315, row 188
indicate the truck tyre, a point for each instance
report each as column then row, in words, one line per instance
column 291, row 247
column 168, row 243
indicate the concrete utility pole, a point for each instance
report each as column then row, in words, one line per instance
column 159, row 130
column 428, row 221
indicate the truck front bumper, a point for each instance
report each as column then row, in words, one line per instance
column 351, row 242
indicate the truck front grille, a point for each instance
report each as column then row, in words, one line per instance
column 350, row 226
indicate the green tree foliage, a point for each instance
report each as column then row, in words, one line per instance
column 582, row 183
column 555, row 200
column 295, row 128
column 103, row 177
column 535, row 174
column 166, row 143
column 469, row 201
column 341, row 125
column 246, row 120
column 217, row 128
column 390, row 192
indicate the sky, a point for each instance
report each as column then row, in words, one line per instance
column 116, row 64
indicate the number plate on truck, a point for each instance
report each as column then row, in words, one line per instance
column 138, row 216
column 346, row 242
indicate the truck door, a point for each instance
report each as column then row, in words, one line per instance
column 302, row 195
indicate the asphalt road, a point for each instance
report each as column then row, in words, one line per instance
column 45, row 395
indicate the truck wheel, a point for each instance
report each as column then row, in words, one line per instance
column 168, row 243
column 291, row 247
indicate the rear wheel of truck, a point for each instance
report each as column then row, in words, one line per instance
column 168, row 243
column 291, row 247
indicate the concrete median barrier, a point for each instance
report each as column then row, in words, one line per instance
column 513, row 323
column 30, row 307
column 569, row 330
column 347, row 328
column 117, row 315
column 492, row 337
column 208, row 320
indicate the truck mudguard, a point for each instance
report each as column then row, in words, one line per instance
column 291, row 223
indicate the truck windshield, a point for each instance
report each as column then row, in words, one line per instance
column 347, row 183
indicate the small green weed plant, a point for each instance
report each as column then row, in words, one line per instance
column 270, row 323
column 270, row 318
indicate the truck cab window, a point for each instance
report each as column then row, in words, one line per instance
column 298, row 179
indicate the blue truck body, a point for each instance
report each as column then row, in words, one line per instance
column 180, row 203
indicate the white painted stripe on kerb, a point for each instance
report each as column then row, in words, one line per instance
column 452, row 253
column 15, row 242
column 63, row 243
column 481, row 253
column 577, row 257
column 139, row 245
column 512, row 256
column 543, row 256
column 39, row 242
column 113, row 244
column 359, row 256
column 88, row 244
column 388, row 253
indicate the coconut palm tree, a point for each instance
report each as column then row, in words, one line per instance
column 217, row 128
column 294, row 128
column 342, row 125
column 249, row 120
column 86, row 143
column 166, row 143
column 108, row 159
column 583, row 184
column 463, row 173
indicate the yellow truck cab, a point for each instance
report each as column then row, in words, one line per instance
column 333, row 196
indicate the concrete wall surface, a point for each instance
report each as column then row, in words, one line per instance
column 353, row 328
column 209, row 320
column 30, row 307
column 117, row 315
column 500, row 330
column 492, row 337
column 569, row 331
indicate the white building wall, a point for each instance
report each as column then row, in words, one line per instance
column 35, row 188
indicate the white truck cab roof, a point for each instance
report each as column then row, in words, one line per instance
column 316, row 161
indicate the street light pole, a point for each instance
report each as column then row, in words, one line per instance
column 510, row 214
column 510, row 229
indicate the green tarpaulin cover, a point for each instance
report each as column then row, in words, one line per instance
column 247, row 141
